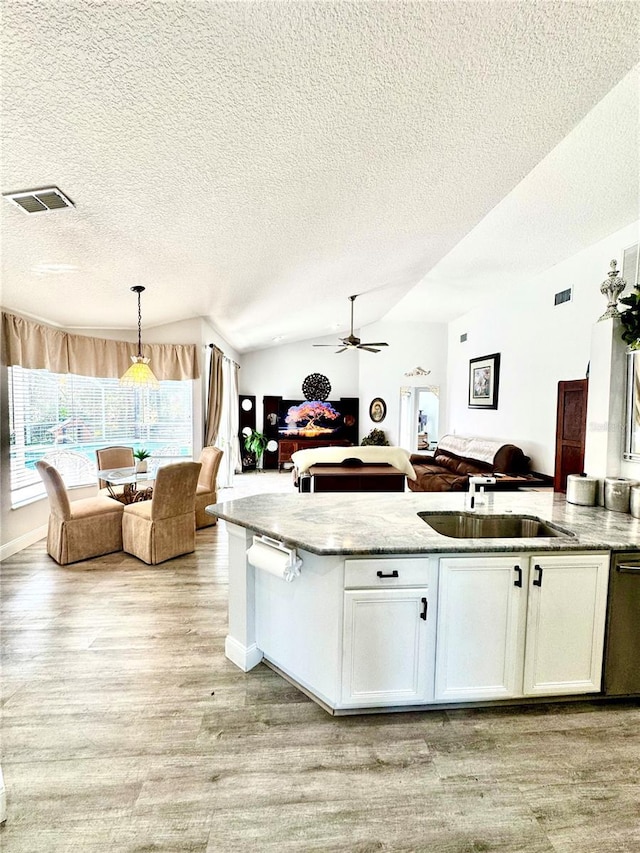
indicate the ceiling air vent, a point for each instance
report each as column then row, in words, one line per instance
column 39, row 201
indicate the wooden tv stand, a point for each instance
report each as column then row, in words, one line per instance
column 287, row 446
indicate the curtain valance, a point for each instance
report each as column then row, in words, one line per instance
column 36, row 346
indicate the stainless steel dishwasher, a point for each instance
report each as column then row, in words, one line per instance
column 622, row 649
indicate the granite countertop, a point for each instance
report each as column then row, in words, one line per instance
column 388, row 523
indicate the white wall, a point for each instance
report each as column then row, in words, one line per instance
column 281, row 370
column 382, row 374
column 539, row 345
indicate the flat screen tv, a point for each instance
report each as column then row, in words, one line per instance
column 318, row 419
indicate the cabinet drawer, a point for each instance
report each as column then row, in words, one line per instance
column 371, row 573
column 285, row 449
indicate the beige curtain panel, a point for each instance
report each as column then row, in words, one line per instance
column 214, row 397
column 35, row 346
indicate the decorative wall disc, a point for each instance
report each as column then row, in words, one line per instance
column 316, row 387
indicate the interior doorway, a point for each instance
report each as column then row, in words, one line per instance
column 419, row 417
column 571, row 429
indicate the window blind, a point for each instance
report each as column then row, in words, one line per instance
column 64, row 418
column 630, row 265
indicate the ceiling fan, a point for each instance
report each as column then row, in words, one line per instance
column 351, row 342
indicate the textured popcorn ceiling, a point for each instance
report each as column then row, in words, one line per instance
column 257, row 163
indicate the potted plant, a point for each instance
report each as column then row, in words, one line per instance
column 141, row 455
column 256, row 442
column 631, row 319
column 375, row 437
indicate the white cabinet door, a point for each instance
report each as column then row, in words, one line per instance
column 481, row 613
column 565, row 624
column 388, row 648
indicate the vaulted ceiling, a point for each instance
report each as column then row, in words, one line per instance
column 255, row 163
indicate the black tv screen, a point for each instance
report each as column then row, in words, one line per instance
column 318, row 419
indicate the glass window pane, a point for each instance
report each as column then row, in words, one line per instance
column 65, row 418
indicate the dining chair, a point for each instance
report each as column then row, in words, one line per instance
column 206, row 492
column 75, row 468
column 165, row 526
column 79, row 530
column 113, row 457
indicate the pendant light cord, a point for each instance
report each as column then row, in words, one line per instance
column 139, row 328
column 139, row 374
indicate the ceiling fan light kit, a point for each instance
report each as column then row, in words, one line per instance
column 352, row 342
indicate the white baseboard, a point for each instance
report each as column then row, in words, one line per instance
column 22, row 542
column 245, row 658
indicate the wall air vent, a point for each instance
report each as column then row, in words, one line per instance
column 562, row 296
column 463, row 337
column 39, row 201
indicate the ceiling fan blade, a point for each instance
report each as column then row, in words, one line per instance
column 351, row 341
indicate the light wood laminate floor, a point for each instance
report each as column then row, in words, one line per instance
column 126, row 730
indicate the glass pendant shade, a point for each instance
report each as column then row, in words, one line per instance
column 139, row 375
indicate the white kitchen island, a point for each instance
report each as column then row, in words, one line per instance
column 388, row 614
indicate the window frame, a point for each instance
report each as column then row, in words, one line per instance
column 142, row 426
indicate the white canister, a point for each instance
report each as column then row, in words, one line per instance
column 582, row 489
column 617, row 492
column 635, row 501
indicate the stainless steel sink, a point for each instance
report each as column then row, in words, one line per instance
column 469, row 525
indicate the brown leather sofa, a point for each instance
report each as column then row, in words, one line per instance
column 456, row 458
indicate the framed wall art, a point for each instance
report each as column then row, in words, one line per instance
column 377, row 410
column 484, row 376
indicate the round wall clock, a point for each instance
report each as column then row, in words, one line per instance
column 316, row 387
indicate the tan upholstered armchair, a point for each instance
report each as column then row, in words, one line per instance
column 164, row 527
column 113, row 457
column 79, row 529
column 206, row 492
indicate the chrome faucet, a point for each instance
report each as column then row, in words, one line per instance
column 477, row 498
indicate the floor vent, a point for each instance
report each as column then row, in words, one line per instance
column 562, row 296
column 39, row 201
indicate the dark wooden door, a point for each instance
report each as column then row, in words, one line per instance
column 571, row 426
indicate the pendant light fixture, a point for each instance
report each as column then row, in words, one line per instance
column 139, row 375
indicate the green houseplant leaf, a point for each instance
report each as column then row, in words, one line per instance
column 631, row 318
column 256, row 443
column 141, row 454
column 375, row 437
